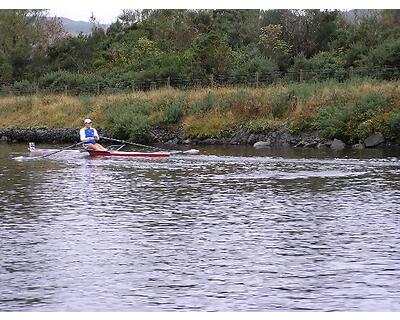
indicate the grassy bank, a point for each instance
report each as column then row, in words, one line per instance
column 350, row 111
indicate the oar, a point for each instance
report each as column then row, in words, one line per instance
column 191, row 151
column 66, row 148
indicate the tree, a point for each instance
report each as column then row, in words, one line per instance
column 25, row 37
column 211, row 53
column 271, row 41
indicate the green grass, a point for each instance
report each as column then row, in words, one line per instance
column 347, row 110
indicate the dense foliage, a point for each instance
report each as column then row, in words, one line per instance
column 350, row 110
column 146, row 47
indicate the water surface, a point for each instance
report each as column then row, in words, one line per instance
column 232, row 229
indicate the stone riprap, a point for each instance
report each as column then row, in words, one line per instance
column 167, row 136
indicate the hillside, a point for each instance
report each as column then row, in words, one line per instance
column 75, row 27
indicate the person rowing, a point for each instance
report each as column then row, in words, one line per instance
column 89, row 137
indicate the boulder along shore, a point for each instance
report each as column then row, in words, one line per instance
column 266, row 139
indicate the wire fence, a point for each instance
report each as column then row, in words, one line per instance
column 254, row 80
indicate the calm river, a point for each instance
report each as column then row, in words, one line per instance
column 231, row 229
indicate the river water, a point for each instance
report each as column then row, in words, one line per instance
column 231, row 229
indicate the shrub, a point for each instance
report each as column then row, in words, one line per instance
column 173, row 113
column 22, row 88
column 205, row 104
column 386, row 54
column 130, row 120
column 332, row 121
column 394, row 123
column 353, row 120
column 237, row 98
column 324, row 65
column 247, row 67
column 99, row 63
column 281, row 103
column 301, row 124
column 75, row 83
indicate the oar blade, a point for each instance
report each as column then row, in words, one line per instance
column 191, row 151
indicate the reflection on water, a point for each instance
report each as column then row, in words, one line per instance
column 233, row 229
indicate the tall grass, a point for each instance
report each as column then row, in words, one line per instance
column 349, row 110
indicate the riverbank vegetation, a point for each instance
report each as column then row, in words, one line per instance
column 349, row 110
column 207, row 72
column 147, row 49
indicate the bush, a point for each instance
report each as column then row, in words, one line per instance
column 354, row 120
column 332, row 121
column 282, row 103
column 238, row 98
column 173, row 113
column 205, row 104
column 302, row 124
column 75, row 83
column 324, row 65
column 394, row 124
column 23, row 87
column 130, row 120
column 99, row 63
column 386, row 54
column 246, row 68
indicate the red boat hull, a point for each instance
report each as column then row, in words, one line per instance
column 93, row 153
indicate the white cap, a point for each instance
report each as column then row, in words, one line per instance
column 88, row 121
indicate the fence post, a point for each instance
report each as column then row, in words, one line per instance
column 212, row 80
column 351, row 72
column 257, row 79
column 37, row 89
column 169, row 82
column 98, row 89
column 301, row 75
column 66, row 90
column 133, row 85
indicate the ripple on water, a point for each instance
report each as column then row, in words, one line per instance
column 215, row 233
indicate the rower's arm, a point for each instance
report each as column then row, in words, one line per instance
column 95, row 134
column 83, row 136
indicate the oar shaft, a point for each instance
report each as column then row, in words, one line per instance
column 191, row 151
column 66, row 148
column 134, row 144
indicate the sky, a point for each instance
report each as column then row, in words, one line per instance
column 107, row 11
column 103, row 15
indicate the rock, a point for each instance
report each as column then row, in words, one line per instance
column 374, row 140
column 328, row 143
column 173, row 141
column 236, row 140
column 302, row 143
column 283, row 136
column 311, row 144
column 262, row 144
column 3, row 139
column 338, row 144
column 358, row 146
column 187, row 141
column 252, row 139
column 209, row 141
column 321, row 146
column 294, row 141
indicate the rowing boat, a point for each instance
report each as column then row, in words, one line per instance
column 91, row 153
column 111, row 153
